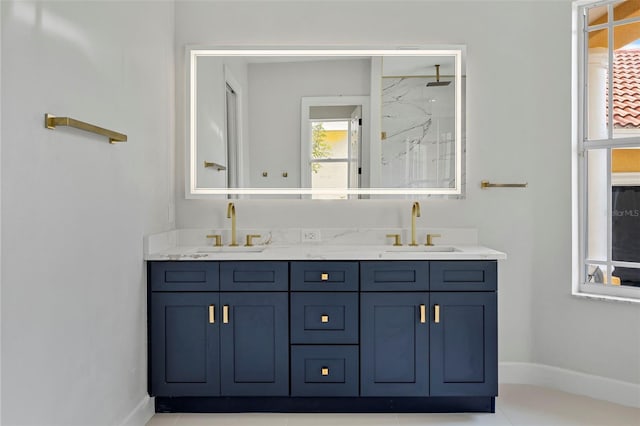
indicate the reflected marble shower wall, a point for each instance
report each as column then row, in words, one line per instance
column 419, row 122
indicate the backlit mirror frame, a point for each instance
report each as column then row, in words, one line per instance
column 193, row 53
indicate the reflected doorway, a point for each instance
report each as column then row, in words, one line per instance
column 332, row 141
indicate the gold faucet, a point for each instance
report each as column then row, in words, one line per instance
column 231, row 214
column 415, row 212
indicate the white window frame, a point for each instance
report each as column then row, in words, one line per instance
column 306, row 157
column 581, row 145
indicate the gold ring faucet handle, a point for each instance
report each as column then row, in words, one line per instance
column 218, row 239
column 250, row 238
column 397, row 241
column 430, row 238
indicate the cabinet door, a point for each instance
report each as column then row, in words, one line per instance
column 394, row 355
column 464, row 351
column 184, row 344
column 255, row 344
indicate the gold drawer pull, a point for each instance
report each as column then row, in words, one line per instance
column 324, row 318
column 324, row 277
column 325, row 371
column 225, row 314
column 212, row 314
column 436, row 308
column 423, row 314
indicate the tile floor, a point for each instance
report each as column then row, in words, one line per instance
column 518, row 405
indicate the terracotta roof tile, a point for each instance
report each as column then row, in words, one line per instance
column 626, row 88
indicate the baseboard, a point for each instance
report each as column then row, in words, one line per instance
column 597, row 387
column 141, row 414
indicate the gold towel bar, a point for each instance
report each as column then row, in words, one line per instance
column 51, row 121
column 485, row 184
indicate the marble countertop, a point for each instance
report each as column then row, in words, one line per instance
column 190, row 244
column 328, row 252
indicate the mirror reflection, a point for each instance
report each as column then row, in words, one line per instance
column 325, row 124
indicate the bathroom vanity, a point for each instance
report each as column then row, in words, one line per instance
column 357, row 329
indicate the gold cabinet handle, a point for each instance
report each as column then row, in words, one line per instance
column 436, row 309
column 212, row 314
column 225, row 314
column 324, row 277
column 324, row 318
column 423, row 314
column 324, row 371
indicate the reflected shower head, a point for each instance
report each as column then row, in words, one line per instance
column 438, row 82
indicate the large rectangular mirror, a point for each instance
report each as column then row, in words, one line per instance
column 325, row 123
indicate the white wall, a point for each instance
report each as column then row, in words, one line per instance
column 75, row 208
column 275, row 90
column 518, row 129
column 211, row 124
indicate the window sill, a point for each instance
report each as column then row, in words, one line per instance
column 599, row 294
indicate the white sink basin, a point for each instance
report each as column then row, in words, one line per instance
column 420, row 252
column 421, row 249
column 227, row 249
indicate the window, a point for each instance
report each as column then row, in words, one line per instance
column 609, row 148
column 331, row 144
column 330, row 155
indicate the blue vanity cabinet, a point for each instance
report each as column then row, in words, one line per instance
column 394, row 344
column 254, row 336
column 323, row 336
column 464, row 328
column 254, row 331
column 324, row 329
column 394, row 332
column 463, row 340
column 218, row 343
column 438, row 342
column 184, row 344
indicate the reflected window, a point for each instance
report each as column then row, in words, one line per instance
column 330, row 164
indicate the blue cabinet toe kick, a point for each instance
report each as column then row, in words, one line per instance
column 433, row 404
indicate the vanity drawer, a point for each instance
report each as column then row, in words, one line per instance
column 254, row 276
column 394, row 275
column 324, row 276
column 324, row 318
column 184, row 276
column 324, row 370
column 464, row 275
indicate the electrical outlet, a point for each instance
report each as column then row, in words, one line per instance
column 310, row 235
